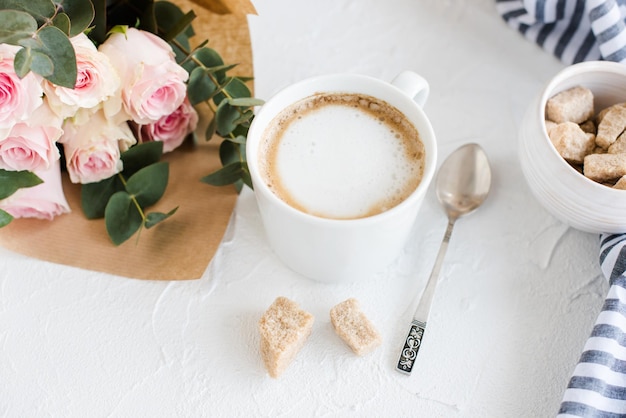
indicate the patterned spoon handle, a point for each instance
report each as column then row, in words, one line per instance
column 413, row 341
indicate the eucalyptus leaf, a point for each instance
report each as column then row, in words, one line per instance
column 245, row 101
column 220, row 69
column 22, row 62
column 121, row 217
column 179, row 26
column 206, row 57
column 225, row 116
column 234, row 89
column 16, row 25
column 62, row 21
column 154, row 218
column 98, row 31
column 200, row 87
column 211, row 129
column 230, row 152
column 11, row 181
column 80, row 12
column 244, row 117
column 140, row 156
column 245, row 176
column 240, row 139
column 57, row 46
column 39, row 9
column 226, row 175
column 5, row 218
column 148, row 184
column 41, row 64
column 95, row 196
column 168, row 15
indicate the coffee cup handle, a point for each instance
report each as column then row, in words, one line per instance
column 413, row 85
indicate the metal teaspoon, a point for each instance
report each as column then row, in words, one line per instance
column 463, row 182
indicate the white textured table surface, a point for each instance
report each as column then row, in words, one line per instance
column 518, row 295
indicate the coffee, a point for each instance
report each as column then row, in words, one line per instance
column 341, row 156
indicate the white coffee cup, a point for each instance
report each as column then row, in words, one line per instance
column 342, row 249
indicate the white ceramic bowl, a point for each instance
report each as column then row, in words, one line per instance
column 563, row 191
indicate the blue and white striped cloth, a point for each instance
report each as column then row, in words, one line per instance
column 597, row 387
column 572, row 30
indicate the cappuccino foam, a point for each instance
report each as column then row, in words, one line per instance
column 341, row 156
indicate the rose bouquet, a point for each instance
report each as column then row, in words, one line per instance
column 100, row 90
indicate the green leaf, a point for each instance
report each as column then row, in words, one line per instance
column 168, row 15
column 16, row 25
column 240, row 139
column 200, row 86
column 245, row 101
column 81, row 13
column 227, row 175
column 226, row 115
column 57, row 46
column 11, row 181
column 209, row 58
column 121, row 217
column 230, row 152
column 95, row 196
column 140, row 156
column 154, row 218
column 148, row 184
column 244, row 117
column 179, row 26
column 99, row 31
column 62, row 21
column 245, row 176
column 5, row 218
column 42, row 64
column 22, row 62
column 235, row 89
column 211, row 129
column 39, row 9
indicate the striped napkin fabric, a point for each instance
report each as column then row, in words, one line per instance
column 597, row 387
column 575, row 31
column 572, row 30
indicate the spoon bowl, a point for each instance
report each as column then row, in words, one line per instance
column 462, row 185
column 464, row 180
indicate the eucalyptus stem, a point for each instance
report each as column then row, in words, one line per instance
column 133, row 198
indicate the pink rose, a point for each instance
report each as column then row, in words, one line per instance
column 92, row 149
column 153, row 84
column 96, row 82
column 172, row 129
column 44, row 201
column 19, row 97
column 31, row 145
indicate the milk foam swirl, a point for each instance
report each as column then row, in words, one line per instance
column 341, row 156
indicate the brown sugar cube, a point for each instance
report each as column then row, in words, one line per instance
column 589, row 127
column 572, row 142
column 611, row 126
column 284, row 328
column 619, row 146
column 354, row 328
column 621, row 184
column 604, row 111
column 550, row 125
column 603, row 167
column 572, row 105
